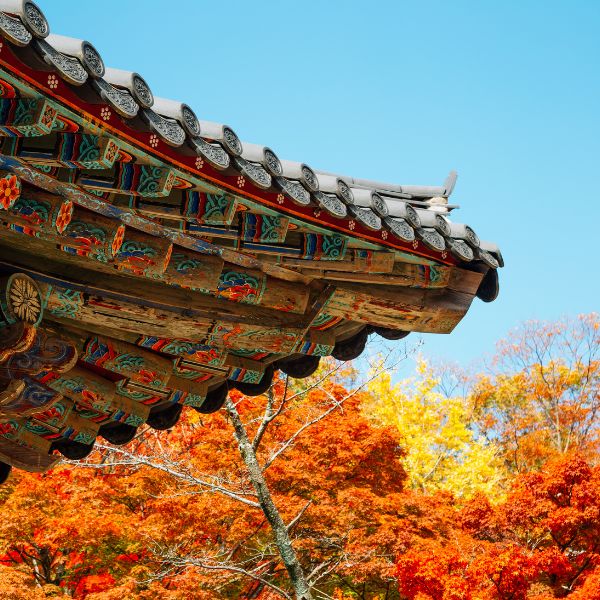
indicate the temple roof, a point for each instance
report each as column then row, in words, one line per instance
column 151, row 260
column 384, row 210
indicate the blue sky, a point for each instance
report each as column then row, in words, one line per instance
column 507, row 93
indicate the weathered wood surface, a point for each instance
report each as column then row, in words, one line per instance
column 356, row 261
column 411, row 310
column 26, row 458
column 98, row 277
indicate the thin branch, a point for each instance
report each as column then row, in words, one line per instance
column 136, row 460
column 291, row 524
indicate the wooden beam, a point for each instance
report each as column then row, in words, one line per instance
column 410, row 309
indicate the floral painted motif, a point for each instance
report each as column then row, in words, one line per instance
column 105, row 113
column 111, row 152
column 65, row 214
column 10, row 190
column 52, row 82
column 239, row 287
column 118, row 240
column 24, row 299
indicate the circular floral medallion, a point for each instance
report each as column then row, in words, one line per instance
column 24, row 301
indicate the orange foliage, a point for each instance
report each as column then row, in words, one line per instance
column 174, row 516
column 542, row 542
column 543, row 400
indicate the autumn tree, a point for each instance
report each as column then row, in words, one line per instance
column 378, row 489
column 541, row 398
column 178, row 514
column 542, row 542
column 435, row 422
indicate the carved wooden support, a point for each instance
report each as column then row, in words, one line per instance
column 26, row 117
column 130, row 361
column 62, row 422
column 86, row 151
column 196, row 351
column 146, row 372
column 153, row 397
column 254, row 337
column 253, row 287
column 193, row 270
column 263, row 228
column 47, row 353
column 96, row 398
column 92, row 235
column 138, row 180
column 143, row 254
column 209, row 208
column 317, row 246
column 41, row 215
column 85, row 388
column 14, row 339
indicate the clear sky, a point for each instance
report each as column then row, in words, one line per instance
column 507, row 93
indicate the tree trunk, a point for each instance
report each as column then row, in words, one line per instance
column 282, row 538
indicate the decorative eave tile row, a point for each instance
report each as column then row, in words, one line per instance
column 408, row 218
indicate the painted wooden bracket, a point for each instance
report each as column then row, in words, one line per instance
column 26, row 117
column 210, row 209
column 263, row 228
column 143, row 254
column 317, row 246
column 96, row 397
column 86, row 151
column 138, row 180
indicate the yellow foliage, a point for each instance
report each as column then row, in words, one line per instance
column 443, row 452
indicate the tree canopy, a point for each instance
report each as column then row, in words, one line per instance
column 385, row 488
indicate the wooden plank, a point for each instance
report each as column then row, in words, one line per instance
column 363, row 261
column 143, row 255
column 409, row 309
column 26, row 458
column 403, row 274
